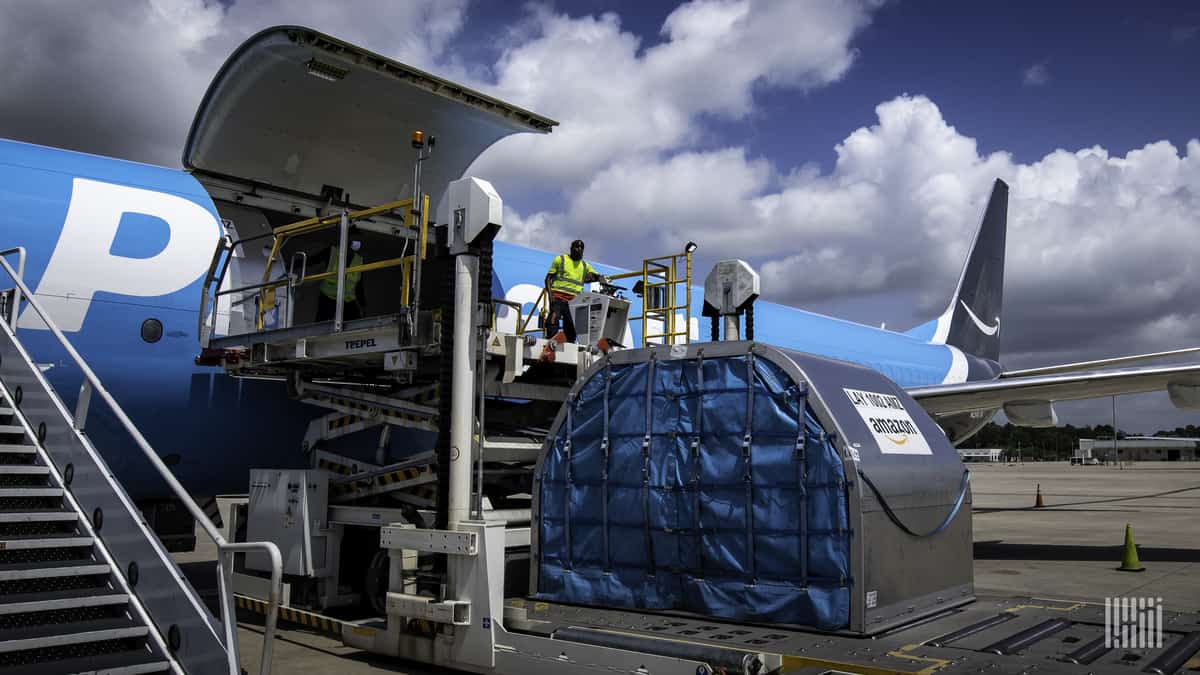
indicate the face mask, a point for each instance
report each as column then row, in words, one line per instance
column 355, row 245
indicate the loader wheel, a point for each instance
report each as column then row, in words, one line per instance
column 376, row 586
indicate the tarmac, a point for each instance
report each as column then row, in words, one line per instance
column 1069, row 549
column 1072, row 546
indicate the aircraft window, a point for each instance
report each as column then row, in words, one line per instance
column 152, row 330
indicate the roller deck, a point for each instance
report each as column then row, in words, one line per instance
column 993, row 634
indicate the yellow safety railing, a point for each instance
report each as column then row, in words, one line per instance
column 671, row 306
column 666, row 298
column 541, row 307
column 515, row 306
column 284, row 232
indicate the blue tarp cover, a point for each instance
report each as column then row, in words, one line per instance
column 675, row 485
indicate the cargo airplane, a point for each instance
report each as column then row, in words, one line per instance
column 297, row 122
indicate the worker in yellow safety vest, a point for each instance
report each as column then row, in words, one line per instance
column 351, row 294
column 565, row 280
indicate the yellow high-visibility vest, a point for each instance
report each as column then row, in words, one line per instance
column 568, row 275
column 329, row 286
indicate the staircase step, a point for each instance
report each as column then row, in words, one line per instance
column 54, row 600
column 58, row 568
column 24, row 470
column 59, row 635
column 12, row 429
column 54, row 516
column 31, row 492
column 134, row 662
column 18, row 448
column 5, row 410
column 28, row 541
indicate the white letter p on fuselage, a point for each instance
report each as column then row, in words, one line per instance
column 82, row 263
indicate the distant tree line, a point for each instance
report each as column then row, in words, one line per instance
column 1053, row 443
column 1190, row 431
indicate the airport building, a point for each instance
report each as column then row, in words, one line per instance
column 981, row 454
column 1138, row 449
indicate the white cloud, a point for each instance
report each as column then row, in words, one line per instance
column 842, row 272
column 124, row 78
column 619, row 100
column 903, row 185
column 543, row 229
column 665, row 202
column 1037, row 75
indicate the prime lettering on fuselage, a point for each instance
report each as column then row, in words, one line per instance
column 83, row 263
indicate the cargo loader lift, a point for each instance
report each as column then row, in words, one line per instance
column 393, row 376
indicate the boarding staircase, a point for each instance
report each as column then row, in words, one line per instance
column 85, row 585
column 63, row 608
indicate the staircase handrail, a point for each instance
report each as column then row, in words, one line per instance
column 225, row 549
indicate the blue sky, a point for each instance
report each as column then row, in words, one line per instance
column 1115, row 78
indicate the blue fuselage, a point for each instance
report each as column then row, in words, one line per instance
column 112, row 244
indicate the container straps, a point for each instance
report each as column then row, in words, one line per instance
column 567, row 485
column 958, row 502
column 747, row 475
column 646, row 467
column 604, row 449
column 801, row 460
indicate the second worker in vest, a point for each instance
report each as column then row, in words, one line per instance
column 351, row 292
column 565, row 280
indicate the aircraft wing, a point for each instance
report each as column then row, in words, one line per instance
column 1097, row 365
column 1020, row 394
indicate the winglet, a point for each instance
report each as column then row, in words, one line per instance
column 972, row 320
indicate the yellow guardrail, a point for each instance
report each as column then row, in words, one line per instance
column 282, row 233
column 674, row 312
column 663, row 273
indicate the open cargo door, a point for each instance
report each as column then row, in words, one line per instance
column 301, row 111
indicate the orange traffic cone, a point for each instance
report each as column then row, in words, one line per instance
column 1129, row 557
column 1039, row 502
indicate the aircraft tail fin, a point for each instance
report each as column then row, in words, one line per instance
column 972, row 320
